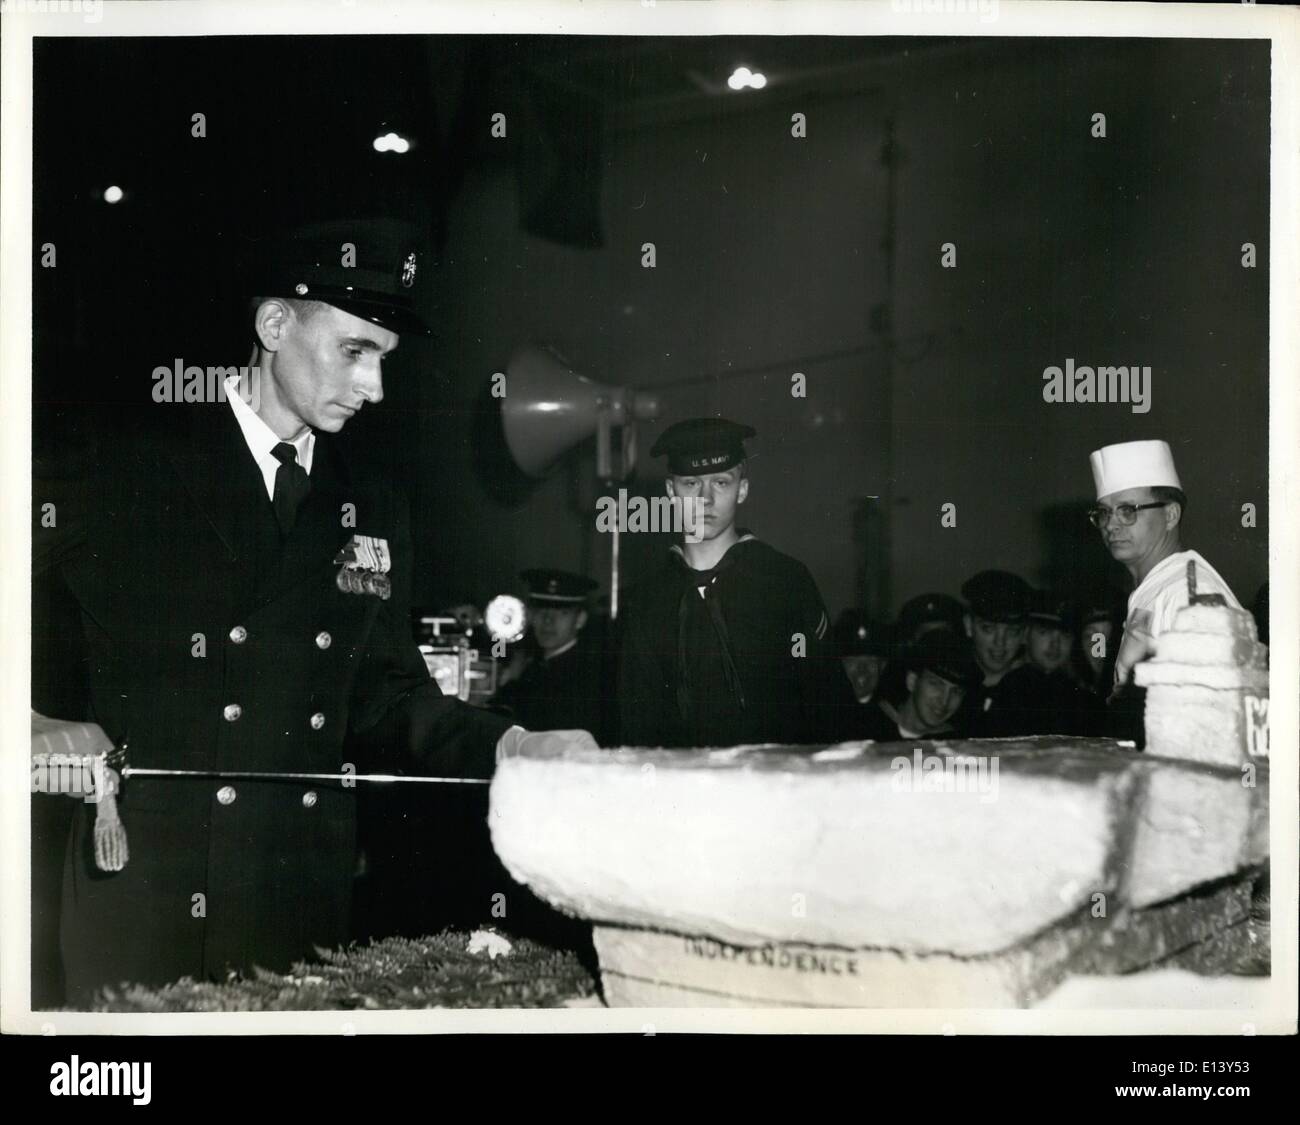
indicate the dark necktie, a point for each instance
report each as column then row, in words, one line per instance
column 291, row 486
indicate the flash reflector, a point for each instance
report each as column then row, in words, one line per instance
column 505, row 618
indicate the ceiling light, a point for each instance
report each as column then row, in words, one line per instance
column 744, row 78
column 739, row 78
column 392, row 142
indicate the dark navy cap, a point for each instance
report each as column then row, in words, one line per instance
column 856, row 635
column 560, row 588
column 997, row 595
column 1053, row 608
column 948, row 655
column 702, row 445
column 379, row 283
column 929, row 610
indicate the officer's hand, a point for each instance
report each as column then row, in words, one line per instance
column 517, row 742
column 87, row 778
column 68, row 758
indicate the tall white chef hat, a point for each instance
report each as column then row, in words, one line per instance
column 1133, row 464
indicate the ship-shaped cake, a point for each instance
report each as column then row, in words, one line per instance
column 936, row 874
column 1207, row 685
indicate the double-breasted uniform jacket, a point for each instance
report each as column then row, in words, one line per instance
column 214, row 646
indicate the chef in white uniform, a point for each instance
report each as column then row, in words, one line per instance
column 1139, row 512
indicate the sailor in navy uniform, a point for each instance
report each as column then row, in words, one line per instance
column 997, row 620
column 864, row 646
column 728, row 643
column 941, row 669
column 919, row 615
column 562, row 684
column 1063, row 704
column 244, row 591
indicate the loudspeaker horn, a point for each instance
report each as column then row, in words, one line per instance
column 549, row 408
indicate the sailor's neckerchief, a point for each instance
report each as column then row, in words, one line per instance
column 700, row 583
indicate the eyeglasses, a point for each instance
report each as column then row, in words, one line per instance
column 1127, row 513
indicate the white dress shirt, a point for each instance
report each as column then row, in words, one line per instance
column 261, row 438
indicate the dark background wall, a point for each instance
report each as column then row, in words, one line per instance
column 775, row 255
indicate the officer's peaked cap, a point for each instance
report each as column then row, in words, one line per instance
column 371, row 268
column 557, row 587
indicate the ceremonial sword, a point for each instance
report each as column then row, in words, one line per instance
column 129, row 772
column 116, row 759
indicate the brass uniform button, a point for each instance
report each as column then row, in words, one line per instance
column 226, row 795
column 239, row 634
column 323, row 640
column 309, row 799
column 231, row 712
column 317, row 721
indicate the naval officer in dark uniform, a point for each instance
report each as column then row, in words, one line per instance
column 562, row 684
column 244, row 590
column 728, row 643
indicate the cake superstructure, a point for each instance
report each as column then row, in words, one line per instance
column 1207, row 687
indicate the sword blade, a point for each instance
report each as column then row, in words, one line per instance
column 255, row 775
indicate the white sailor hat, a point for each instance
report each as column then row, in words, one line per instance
column 1133, row 464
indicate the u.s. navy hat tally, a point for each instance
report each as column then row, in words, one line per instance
column 703, row 445
column 560, row 588
column 367, row 267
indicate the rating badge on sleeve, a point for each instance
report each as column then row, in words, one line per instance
column 365, row 563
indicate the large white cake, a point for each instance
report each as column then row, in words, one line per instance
column 865, row 875
column 959, row 874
